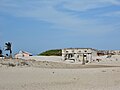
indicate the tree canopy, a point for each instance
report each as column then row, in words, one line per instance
column 54, row 52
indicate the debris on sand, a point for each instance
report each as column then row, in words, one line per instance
column 15, row 62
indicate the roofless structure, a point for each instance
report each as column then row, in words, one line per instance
column 82, row 55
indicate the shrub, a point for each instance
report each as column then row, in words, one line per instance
column 55, row 52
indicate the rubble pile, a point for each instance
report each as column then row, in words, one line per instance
column 15, row 62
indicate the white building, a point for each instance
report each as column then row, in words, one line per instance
column 82, row 55
column 22, row 54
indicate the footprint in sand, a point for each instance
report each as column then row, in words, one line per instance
column 103, row 71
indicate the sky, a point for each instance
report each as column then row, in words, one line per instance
column 39, row 25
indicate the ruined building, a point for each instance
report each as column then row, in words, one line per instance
column 82, row 55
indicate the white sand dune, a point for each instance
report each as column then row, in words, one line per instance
column 61, row 76
column 45, row 58
column 59, row 79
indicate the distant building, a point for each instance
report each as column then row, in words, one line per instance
column 82, row 55
column 22, row 54
column 108, row 52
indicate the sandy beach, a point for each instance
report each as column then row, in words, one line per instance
column 47, row 75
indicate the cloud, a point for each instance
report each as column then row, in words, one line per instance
column 84, row 5
column 63, row 14
column 112, row 14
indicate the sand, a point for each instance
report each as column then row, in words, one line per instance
column 30, row 78
column 61, row 76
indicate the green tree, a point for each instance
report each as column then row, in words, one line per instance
column 55, row 52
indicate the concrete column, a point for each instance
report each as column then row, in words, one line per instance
column 83, row 61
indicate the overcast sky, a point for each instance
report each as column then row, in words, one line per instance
column 39, row 25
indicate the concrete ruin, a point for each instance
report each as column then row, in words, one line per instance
column 83, row 55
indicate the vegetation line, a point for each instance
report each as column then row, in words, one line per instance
column 55, row 52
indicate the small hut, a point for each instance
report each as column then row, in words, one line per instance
column 22, row 54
